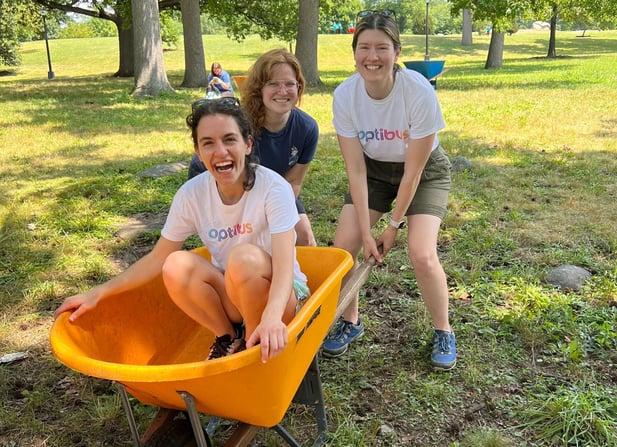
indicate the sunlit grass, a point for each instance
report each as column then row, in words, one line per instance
column 540, row 134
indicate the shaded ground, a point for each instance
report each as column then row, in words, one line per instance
column 383, row 384
column 361, row 388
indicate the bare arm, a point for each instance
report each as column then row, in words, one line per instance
column 356, row 176
column 272, row 329
column 295, row 177
column 418, row 152
column 137, row 274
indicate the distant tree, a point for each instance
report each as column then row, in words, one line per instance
column 194, row 59
column 76, row 30
column 150, row 76
column 501, row 14
column 343, row 11
column 102, row 28
column 116, row 11
column 19, row 21
column 571, row 10
column 467, row 38
column 306, row 46
column 171, row 28
column 9, row 42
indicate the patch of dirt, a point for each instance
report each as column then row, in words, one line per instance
column 83, row 411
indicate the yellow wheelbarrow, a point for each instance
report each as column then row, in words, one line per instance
column 154, row 352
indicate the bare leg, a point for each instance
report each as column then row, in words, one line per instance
column 422, row 237
column 198, row 288
column 248, row 278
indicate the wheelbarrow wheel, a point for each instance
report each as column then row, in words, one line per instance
column 176, row 433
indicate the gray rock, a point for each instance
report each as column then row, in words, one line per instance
column 460, row 164
column 568, row 277
column 386, row 430
column 164, row 170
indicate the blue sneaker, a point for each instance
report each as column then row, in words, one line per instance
column 443, row 357
column 338, row 341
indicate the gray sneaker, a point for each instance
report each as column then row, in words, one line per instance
column 338, row 341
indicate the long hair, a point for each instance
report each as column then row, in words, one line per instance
column 259, row 74
column 381, row 23
column 214, row 66
column 230, row 107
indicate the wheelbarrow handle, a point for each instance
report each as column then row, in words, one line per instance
column 352, row 285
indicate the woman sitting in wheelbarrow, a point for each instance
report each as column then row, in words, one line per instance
column 245, row 215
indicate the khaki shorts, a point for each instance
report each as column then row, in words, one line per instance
column 383, row 179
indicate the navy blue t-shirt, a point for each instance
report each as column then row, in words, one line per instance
column 296, row 143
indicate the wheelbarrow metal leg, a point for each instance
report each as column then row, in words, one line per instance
column 310, row 392
column 286, row 436
column 129, row 414
column 320, row 406
column 198, row 431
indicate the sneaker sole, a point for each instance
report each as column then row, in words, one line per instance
column 331, row 355
column 443, row 368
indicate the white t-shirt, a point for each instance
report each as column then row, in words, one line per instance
column 411, row 110
column 268, row 208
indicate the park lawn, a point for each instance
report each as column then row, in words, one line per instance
column 537, row 364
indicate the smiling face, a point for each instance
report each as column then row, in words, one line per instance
column 280, row 93
column 375, row 56
column 221, row 147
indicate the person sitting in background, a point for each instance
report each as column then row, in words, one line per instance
column 285, row 136
column 219, row 81
column 245, row 215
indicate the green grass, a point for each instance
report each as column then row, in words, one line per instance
column 537, row 364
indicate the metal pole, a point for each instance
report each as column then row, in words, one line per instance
column 50, row 73
column 426, row 57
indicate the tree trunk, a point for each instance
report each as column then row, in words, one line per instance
column 306, row 40
column 467, row 28
column 194, row 60
column 552, row 52
column 126, row 67
column 150, row 76
column 495, row 50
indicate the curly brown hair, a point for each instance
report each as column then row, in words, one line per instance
column 259, row 74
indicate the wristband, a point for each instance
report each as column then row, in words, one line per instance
column 396, row 224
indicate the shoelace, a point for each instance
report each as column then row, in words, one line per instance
column 443, row 342
column 342, row 330
column 220, row 347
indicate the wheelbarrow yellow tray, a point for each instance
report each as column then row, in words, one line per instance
column 141, row 340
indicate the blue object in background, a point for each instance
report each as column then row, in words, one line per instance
column 429, row 69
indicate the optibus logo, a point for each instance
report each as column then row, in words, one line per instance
column 382, row 135
column 229, row 232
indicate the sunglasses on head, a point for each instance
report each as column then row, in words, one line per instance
column 226, row 101
column 362, row 15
